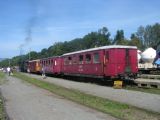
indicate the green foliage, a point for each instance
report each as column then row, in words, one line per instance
column 44, row 53
column 97, row 39
column 149, row 35
column 119, row 38
column 2, row 110
column 57, row 49
column 135, row 41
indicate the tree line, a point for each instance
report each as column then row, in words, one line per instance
column 148, row 36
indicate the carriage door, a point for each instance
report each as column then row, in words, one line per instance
column 106, row 62
column 128, row 62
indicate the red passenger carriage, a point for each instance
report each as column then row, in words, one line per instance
column 113, row 61
column 51, row 65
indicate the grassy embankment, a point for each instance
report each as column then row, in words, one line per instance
column 116, row 109
column 2, row 110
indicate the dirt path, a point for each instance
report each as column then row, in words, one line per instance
column 135, row 98
column 27, row 102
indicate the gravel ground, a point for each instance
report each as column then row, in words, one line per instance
column 139, row 99
column 24, row 101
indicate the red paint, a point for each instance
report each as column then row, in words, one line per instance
column 112, row 62
column 51, row 65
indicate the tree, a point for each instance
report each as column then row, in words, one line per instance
column 149, row 35
column 44, row 53
column 156, row 35
column 104, row 37
column 97, row 39
column 140, row 34
column 56, row 49
column 135, row 41
column 119, row 38
column 33, row 55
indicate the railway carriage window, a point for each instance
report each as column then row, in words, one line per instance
column 65, row 61
column 74, row 59
column 36, row 64
column 107, row 56
column 88, row 58
column 96, row 58
column 70, row 60
column 51, row 62
column 81, row 59
column 48, row 62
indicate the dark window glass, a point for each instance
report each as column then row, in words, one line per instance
column 80, row 59
column 52, row 61
column 88, row 58
column 74, row 59
column 107, row 55
column 70, row 60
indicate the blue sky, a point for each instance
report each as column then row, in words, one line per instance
column 45, row 22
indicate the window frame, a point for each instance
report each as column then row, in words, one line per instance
column 96, row 60
column 74, row 59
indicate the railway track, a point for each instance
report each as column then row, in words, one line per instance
column 143, row 81
column 149, row 76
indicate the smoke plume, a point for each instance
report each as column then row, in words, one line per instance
column 30, row 25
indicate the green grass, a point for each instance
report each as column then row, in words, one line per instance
column 2, row 110
column 2, row 78
column 146, row 90
column 116, row 109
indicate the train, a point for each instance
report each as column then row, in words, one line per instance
column 113, row 62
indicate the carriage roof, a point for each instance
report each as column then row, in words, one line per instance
column 101, row 48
